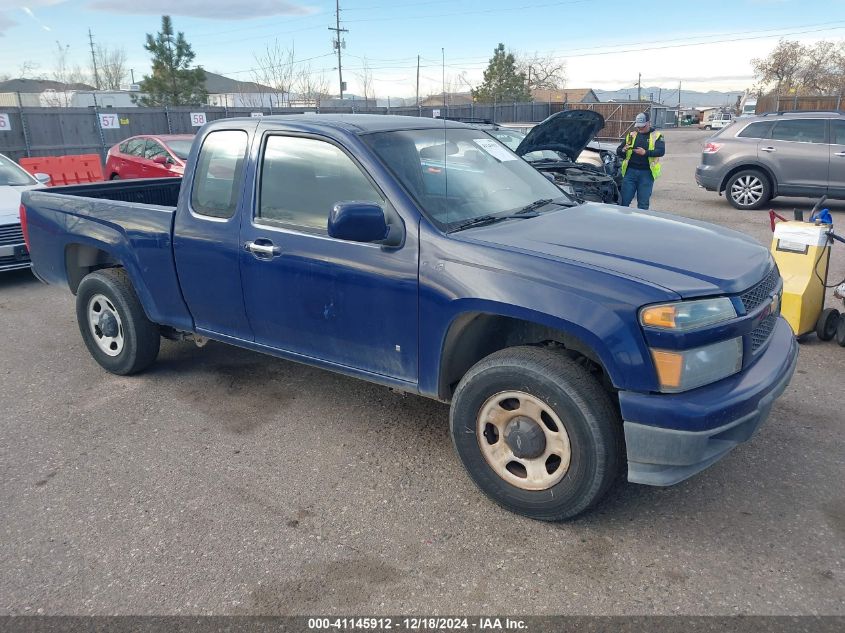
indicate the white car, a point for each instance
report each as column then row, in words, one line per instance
column 14, row 180
column 717, row 121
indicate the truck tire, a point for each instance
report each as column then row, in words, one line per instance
column 113, row 324
column 826, row 324
column 748, row 189
column 536, row 432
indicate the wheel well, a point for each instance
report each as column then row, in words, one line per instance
column 81, row 260
column 474, row 336
column 740, row 168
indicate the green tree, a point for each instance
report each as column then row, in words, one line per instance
column 502, row 80
column 173, row 81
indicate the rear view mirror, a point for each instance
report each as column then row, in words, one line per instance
column 357, row 222
column 161, row 160
column 44, row 179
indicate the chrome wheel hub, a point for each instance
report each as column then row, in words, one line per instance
column 105, row 325
column 523, row 440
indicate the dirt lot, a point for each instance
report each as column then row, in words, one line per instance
column 227, row 482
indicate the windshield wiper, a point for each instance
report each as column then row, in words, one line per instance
column 484, row 220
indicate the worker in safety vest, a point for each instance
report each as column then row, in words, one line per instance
column 640, row 153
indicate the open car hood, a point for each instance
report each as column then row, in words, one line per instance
column 567, row 132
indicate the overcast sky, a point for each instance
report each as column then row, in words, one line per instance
column 707, row 45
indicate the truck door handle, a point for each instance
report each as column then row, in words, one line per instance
column 263, row 251
column 839, row 154
column 768, row 149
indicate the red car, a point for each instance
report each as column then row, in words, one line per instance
column 149, row 156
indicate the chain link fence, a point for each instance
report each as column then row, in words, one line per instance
column 31, row 132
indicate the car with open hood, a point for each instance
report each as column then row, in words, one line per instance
column 563, row 146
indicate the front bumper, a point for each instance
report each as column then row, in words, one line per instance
column 670, row 437
column 14, row 257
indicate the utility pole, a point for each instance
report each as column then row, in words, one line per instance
column 443, row 79
column 94, row 60
column 639, row 86
column 338, row 44
column 418, row 81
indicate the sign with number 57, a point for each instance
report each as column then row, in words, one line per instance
column 109, row 121
column 5, row 124
column 198, row 119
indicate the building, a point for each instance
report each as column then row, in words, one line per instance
column 231, row 93
column 565, row 95
column 452, row 98
column 26, row 93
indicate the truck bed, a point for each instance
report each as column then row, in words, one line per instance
column 163, row 192
column 77, row 228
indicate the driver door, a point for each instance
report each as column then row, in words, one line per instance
column 346, row 303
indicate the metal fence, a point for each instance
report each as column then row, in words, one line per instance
column 28, row 132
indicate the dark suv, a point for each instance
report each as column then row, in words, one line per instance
column 776, row 154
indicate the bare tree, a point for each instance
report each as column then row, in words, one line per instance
column 543, row 72
column 781, row 68
column 276, row 68
column 823, row 68
column 66, row 74
column 111, row 67
column 312, row 86
column 365, row 76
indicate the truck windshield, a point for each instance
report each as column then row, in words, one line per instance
column 11, row 174
column 457, row 175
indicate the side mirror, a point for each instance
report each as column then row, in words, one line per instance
column 161, row 160
column 44, row 179
column 357, row 222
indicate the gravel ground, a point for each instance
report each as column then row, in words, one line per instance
column 227, row 482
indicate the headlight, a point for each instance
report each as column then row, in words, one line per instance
column 688, row 315
column 687, row 369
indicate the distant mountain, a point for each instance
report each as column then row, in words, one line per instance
column 689, row 98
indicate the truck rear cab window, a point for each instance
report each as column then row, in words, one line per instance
column 759, row 129
column 303, row 178
column 218, row 173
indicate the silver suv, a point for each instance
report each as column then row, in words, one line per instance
column 777, row 154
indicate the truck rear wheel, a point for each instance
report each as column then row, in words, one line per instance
column 536, row 432
column 113, row 324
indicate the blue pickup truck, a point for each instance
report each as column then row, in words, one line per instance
column 572, row 340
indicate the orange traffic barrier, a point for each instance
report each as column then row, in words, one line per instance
column 66, row 170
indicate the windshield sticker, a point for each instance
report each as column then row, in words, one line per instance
column 495, row 149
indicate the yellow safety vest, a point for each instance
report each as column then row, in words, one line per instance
column 653, row 161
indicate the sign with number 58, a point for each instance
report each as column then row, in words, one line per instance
column 5, row 124
column 109, row 121
column 198, row 119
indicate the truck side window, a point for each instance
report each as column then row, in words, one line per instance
column 303, row 178
column 218, row 173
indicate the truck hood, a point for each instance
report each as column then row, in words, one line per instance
column 685, row 256
column 567, row 132
column 10, row 202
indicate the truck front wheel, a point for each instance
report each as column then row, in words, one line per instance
column 536, row 432
column 113, row 324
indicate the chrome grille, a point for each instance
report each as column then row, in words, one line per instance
column 762, row 332
column 12, row 261
column 759, row 293
column 11, row 234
